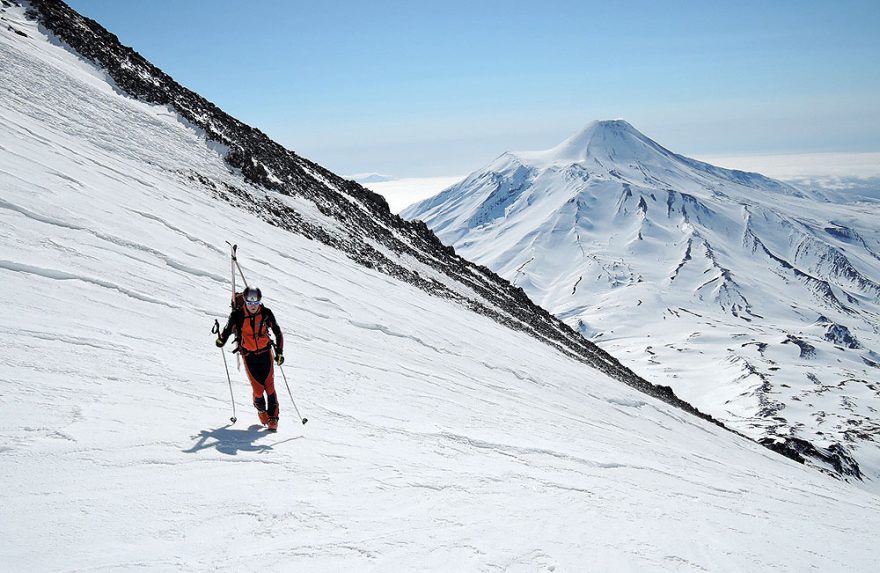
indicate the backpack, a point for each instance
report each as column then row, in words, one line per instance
column 238, row 301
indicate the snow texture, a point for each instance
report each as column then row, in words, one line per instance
column 438, row 438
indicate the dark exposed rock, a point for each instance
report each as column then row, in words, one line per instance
column 839, row 334
column 762, row 346
column 687, row 257
column 836, row 456
column 807, row 349
column 843, row 233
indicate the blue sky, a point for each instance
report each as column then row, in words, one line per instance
column 427, row 88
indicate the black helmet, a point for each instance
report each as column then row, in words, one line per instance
column 252, row 295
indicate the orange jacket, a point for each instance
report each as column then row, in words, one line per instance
column 252, row 330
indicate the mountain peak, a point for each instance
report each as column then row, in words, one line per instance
column 606, row 126
column 598, row 137
column 614, row 140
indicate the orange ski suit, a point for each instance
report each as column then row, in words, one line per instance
column 255, row 346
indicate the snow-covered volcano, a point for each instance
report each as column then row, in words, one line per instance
column 754, row 300
column 452, row 425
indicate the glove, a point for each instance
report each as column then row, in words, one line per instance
column 279, row 359
column 219, row 342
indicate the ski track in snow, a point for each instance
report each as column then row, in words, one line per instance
column 437, row 439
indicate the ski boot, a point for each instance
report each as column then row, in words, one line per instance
column 273, row 424
column 264, row 416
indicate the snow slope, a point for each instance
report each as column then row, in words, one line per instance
column 438, row 439
column 755, row 301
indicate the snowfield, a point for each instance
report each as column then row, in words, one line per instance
column 437, row 439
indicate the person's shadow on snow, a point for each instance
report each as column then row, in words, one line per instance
column 230, row 441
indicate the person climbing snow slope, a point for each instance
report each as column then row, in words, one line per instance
column 250, row 320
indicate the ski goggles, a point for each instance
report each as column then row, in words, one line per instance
column 253, row 302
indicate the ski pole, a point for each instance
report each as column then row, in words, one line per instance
column 289, row 393
column 216, row 330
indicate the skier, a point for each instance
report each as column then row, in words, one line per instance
column 251, row 321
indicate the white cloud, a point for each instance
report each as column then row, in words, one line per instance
column 402, row 193
column 803, row 165
column 839, row 176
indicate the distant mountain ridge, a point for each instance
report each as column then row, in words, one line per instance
column 701, row 277
column 370, row 178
